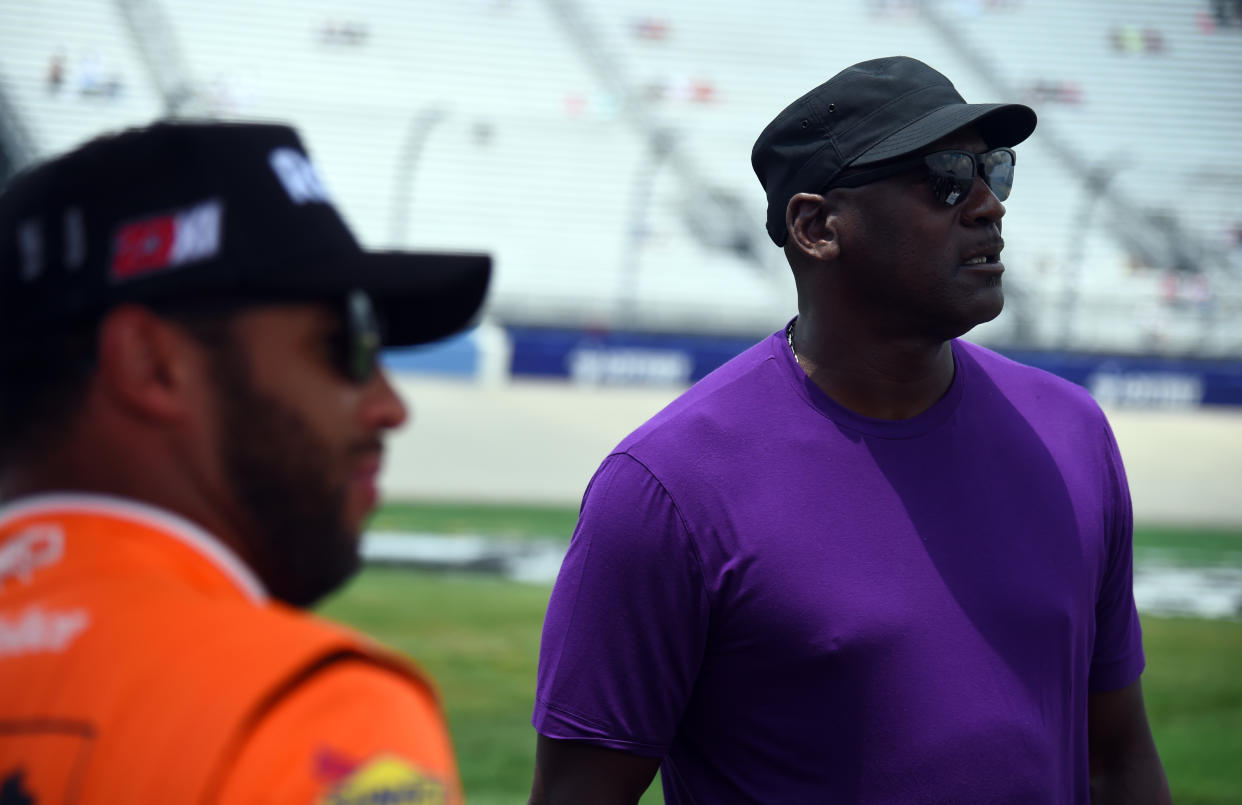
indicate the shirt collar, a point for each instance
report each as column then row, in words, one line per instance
column 194, row 536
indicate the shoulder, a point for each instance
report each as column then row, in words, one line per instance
column 350, row 728
column 1003, row 393
column 721, row 401
column 267, row 633
column 239, row 655
column 1027, row 386
column 283, row 642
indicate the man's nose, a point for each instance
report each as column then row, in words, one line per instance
column 981, row 206
column 384, row 408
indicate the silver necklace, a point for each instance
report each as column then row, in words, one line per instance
column 789, row 337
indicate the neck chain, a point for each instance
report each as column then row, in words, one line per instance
column 789, row 331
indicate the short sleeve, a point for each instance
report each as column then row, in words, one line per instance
column 352, row 732
column 627, row 624
column 1117, row 659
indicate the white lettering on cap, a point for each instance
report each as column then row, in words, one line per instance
column 197, row 233
column 30, row 243
column 299, row 177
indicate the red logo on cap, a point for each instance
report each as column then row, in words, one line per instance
column 154, row 244
column 143, row 246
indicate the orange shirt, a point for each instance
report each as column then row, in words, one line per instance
column 141, row 661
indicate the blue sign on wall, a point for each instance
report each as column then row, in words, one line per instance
column 457, row 355
column 623, row 358
column 619, row 358
column 1144, row 380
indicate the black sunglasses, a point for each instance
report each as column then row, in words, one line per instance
column 358, row 344
column 952, row 173
column 354, row 346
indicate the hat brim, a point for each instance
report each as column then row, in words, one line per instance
column 420, row 296
column 1000, row 124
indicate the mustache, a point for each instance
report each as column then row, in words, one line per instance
column 371, row 446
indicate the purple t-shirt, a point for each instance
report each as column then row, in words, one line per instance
column 788, row 602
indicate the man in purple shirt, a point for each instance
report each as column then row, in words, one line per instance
column 864, row 561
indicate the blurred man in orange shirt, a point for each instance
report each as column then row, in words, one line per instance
column 192, row 418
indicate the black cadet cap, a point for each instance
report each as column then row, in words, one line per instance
column 869, row 113
column 183, row 210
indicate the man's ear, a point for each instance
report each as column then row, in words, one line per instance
column 146, row 364
column 812, row 226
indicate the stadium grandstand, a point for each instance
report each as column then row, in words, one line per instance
column 600, row 150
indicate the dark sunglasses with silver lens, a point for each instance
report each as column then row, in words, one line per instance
column 950, row 173
column 357, row 346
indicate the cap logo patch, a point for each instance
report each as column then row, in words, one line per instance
column 167, row 241
column 298, row 176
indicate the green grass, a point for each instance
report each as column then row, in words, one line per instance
column 1190, row 546
column 493, row 520
column 1193, row 689
column 479, row 636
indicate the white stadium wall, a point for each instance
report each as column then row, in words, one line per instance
column 525, row 127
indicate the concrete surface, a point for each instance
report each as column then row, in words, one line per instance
column 541, row 441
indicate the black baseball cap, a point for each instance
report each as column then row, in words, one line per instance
column 869, row 113
column 185, row 210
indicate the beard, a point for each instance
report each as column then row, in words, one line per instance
column 282, row 476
